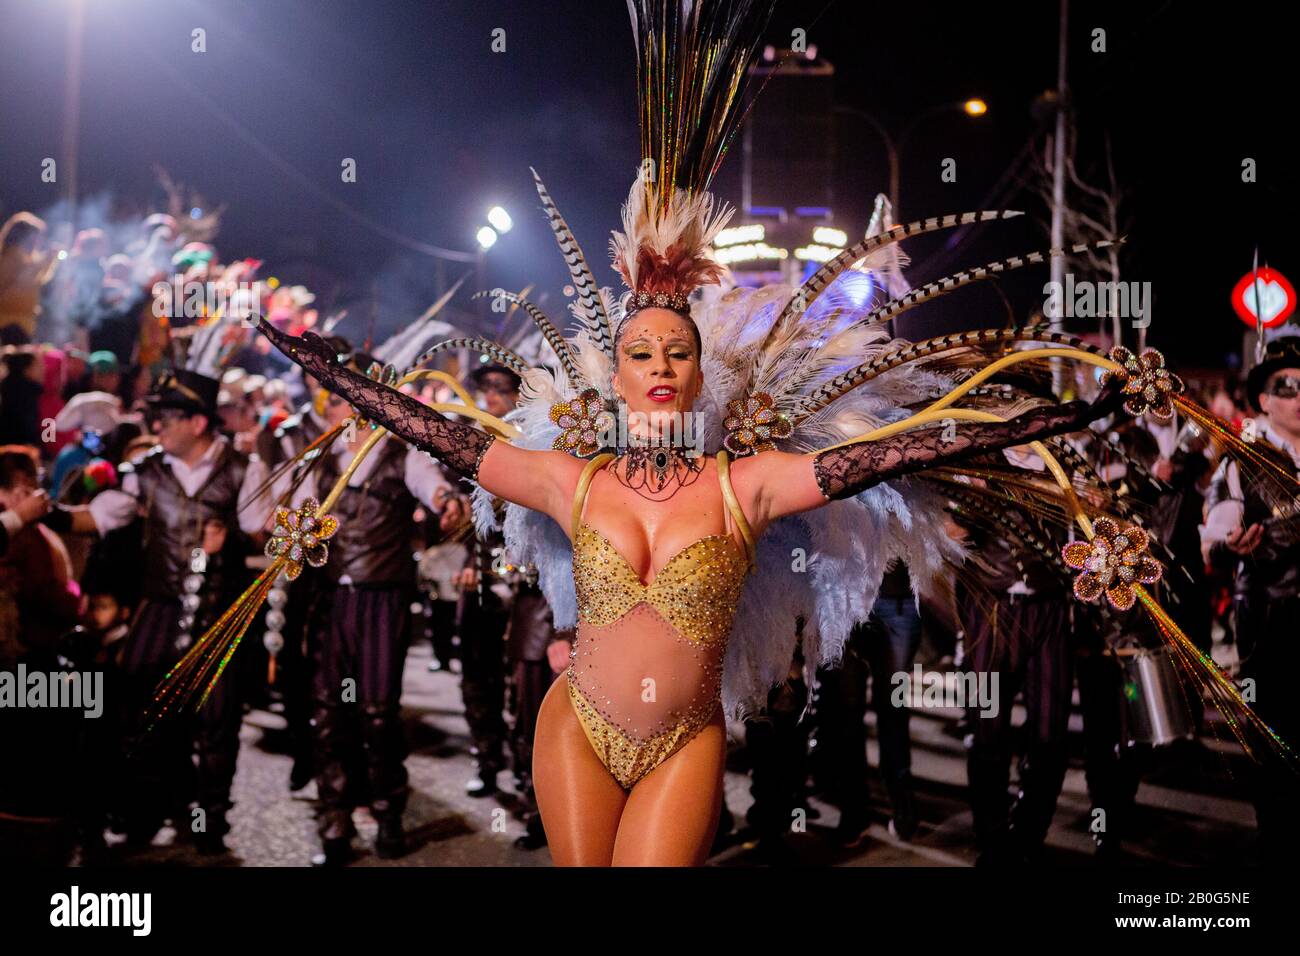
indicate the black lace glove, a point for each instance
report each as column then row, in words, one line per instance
column 458, row 446
column 850, row 469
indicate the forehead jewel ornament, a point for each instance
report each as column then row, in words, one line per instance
column 676, row 301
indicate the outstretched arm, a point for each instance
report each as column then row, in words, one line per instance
column 786, row 484
column 535, row 479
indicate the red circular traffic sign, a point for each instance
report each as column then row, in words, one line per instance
column 1275, row 294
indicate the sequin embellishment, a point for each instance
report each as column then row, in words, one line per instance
column 690, row 602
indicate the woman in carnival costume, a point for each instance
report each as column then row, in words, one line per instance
column 696, row 471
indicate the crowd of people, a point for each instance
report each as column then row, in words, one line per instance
column 137, row 494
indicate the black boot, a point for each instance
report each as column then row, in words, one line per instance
column 1042, row 772
column 391, row 844
column 484, row 781
column 385, row 755
column 534, row 835
column 337, row 761
column 335, row 851
column 904, row 821
column 301, row 773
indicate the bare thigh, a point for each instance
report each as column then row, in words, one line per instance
column 672, row 812
column 579, row 800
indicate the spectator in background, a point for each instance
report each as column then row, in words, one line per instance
column 35, row 573
column 87, row 418
column 1251, row 532
column 20, row 390
column 105, row 374
column 26, row 265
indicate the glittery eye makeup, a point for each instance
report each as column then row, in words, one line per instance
column 678, row 348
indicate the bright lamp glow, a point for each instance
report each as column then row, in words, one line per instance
column 827, row 236
column 736, row 234
column 500, row 219
column 975, row 107
column 487, row 237
column 749, row 252
column 816, row 253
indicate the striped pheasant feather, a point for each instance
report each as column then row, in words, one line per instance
column 590, row 306
column 838, row 386
column 498, row 353
column 549, row 331
column 819, row 281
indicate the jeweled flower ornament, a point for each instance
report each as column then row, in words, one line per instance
column 299, row 536
column 1149, row 385
column 752, row 423
column 582, row 421
column 1112, row 563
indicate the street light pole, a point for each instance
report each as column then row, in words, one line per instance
column 890, row 148
column 1058, row 165
column 894, row 147
column 1057, row 322
column 72, row 109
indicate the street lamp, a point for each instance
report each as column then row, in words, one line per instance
column 487, row 238
column 894, row 147
column 500, row 219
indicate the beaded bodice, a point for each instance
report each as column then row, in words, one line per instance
column 646, row 669
column 696, row 592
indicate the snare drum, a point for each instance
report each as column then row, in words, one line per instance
column 1156, row 707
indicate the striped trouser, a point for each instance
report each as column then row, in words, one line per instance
column 161, row 772
column 1025, row 641
column 360, row 747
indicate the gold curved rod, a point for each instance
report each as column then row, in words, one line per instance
column 1187, row 653
column 931, row 412
column 441, row 376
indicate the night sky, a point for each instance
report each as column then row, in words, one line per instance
column 442, row 128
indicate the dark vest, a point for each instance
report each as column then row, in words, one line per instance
column 174, row 521
column 373, row 544
column 301, row 429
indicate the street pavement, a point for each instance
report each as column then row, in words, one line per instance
column 1192, row 809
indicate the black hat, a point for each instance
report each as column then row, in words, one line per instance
column 1278, row 354
column 476, row 374
column 186, row 390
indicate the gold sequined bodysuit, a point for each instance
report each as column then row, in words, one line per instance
column 645, row 674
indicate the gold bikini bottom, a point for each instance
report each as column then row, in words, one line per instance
column 626, row 758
